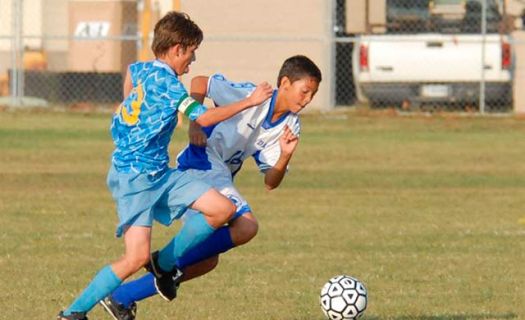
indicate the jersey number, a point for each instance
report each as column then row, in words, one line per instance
column 133, row 117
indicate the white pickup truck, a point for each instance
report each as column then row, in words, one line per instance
column 433, row 67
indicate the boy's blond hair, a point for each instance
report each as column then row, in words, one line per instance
column 175, row 28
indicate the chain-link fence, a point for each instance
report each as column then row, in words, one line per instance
column 70, row 53
column 465, row 55
column 430, row 54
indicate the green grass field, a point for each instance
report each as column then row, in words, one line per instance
column 424, row 210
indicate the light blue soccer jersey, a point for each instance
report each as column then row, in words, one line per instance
column 250, row 133
column 143, row 124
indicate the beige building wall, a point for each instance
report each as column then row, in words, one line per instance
column 515, row 7
column 31, row 26
column 40, row 18
column 355, row 13
column 359, row 13
column 32, row 22
column 5, row 44
column 251, row 41
column 377, row 15
column 95, row 19
column 56, row 24
column 5, row 18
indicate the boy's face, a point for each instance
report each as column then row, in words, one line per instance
column 182, row 58
column 299, row 93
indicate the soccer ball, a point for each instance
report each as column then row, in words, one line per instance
column 343, row 298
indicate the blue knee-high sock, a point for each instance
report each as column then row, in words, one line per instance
column 220, row 241
column 135, row 290
column 101, row 286
column 194, row 231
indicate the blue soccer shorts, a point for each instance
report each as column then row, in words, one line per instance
column 142, row 198
column 220, row 180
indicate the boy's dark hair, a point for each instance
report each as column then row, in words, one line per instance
column 175, row 28
column 298, row 67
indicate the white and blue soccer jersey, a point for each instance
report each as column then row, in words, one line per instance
column 143, row 124
column 250, row 133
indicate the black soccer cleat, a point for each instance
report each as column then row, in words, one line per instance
column 72, row 316
column 166, row 283
column 119, row 311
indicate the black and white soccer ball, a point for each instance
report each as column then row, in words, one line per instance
column 343, row 298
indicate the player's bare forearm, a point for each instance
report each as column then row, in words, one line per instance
column 216, row 115
column 196, row 135
column 275, row 175
column 194, row 126
column 288, row 143
column 199, row 88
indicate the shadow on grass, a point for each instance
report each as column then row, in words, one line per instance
column 448, row 317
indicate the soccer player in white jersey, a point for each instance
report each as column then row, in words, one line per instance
column 268, row 133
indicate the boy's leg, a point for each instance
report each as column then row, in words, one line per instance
column 121, row 305
column 216, row 210
column 137, row 242
column 134, row 291
column 244, row 228
column 196, row 262
column 238, row 232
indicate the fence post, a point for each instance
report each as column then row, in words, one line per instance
column 483, row 44
column 16, row 59
column 330, row 56
column 12, row 76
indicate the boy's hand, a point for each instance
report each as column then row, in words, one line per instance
column 263, row 92
column 288, row 141
column 196, row 135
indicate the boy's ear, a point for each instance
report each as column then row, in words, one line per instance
column 285, row 82
column 176, row 50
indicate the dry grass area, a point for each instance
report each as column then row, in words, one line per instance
column 423, row 209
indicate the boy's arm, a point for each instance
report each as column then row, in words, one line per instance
column 215, row 115
column 198, row 90
column 196, row 135
column 274, row 176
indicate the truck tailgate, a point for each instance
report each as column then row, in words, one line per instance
column 432, row 58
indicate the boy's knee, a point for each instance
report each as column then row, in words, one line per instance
column 244, row 232
column 250, row 230
column 136, row 261
column 226, row 212
column 254, row 229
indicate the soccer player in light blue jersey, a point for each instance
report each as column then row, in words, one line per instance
column 142, row 185
column 269, row 134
